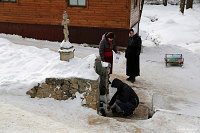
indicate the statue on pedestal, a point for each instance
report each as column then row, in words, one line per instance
column 66, row 48
column 65, row 23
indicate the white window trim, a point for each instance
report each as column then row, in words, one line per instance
column 77, row 5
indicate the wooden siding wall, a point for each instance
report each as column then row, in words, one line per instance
column 135, row 13
column 97, row 13
column 89, row 35
column 93, row 35
column 37, row 31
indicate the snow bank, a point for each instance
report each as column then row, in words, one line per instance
column 23, row 67
column 171, row 27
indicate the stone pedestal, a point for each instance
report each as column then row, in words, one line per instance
column 102, row 69
column 66, row 56
column 66, row 51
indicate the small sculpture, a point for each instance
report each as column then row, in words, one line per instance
column 66, row 48
column 65, row 23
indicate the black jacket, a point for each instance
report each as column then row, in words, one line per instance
column 134, row 46
column 124, row 93
column 132, row 55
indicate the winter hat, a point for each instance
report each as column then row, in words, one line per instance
column 117, row 83
column 110, row 35
column 133, row 30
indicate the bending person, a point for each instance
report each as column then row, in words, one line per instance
column 124, row 99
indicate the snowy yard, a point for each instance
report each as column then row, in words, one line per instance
column 175, row 90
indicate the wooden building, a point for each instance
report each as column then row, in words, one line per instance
column 89, row 19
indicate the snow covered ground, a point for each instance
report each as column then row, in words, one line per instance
column 25, row 62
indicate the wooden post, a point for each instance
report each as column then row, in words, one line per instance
column 165, row 2
column 182, row 6
column 189, row 4
column 141, row 9
column 142, row 4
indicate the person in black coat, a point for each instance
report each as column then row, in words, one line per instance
column 125, row 98
column 132, row 55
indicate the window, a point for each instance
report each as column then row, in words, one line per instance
column 135, row 3
column 8, row 0
column 77, row 2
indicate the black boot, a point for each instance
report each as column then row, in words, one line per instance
column 133, row 80
column 129, row 79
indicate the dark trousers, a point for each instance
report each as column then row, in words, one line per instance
column 128, row 107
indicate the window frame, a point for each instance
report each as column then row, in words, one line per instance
column 77, row 4
column 9, row 1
